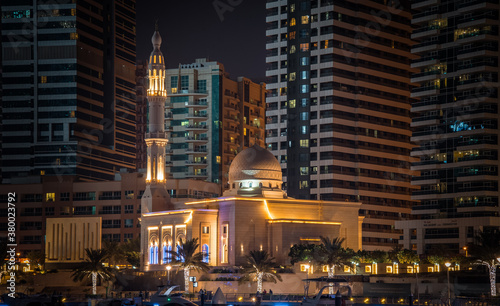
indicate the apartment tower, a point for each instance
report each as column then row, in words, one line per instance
column 68, row 88
column 209, row 119
column 455, row 124
column 338, row 108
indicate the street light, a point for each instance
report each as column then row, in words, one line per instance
column 416, row 284
column 466, row 253
column 169, row 267
column 448, row 264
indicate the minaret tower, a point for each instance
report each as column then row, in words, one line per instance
column 155, row 196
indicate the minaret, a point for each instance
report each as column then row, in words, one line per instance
column 155, row 196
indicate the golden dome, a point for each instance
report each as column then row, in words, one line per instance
column 255, row 163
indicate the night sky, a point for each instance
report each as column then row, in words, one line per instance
column 193, row 29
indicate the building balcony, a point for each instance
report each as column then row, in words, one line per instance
column 198, row 127
column 467, row 5
column 423, row 4
column 485, row 50
column 425, row 46
column 196, row 151
column 424, row 16
column 197, row 104
column 424, row 61
column 196, row 164
column 185, row 92
column 232, row 141
column 424, row 32
column 201, row 175
column 425, row 76
column 231, row 107
column 196, row 139
column 232, row 118
column 196, row 116
column 425, row 91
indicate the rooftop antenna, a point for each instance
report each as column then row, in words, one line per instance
column 156, row 24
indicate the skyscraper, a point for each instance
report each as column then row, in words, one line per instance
column 339, row 105
column 69, row 88
column 455, row 124
column 210, row 118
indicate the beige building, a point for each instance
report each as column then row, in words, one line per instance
column 254, row 214
column 67, row 239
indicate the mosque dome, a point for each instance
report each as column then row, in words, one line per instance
column 156, row 39
column 255, row 172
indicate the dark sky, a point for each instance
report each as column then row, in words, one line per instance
column 193, row 29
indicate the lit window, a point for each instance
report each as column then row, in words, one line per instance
column 304, row 116
column 305, row 19
column 292, row 76
column 303, row 184
column 388, row 269
column 206, row 253
column 72, row 114
column 42, row 172
column 304, row 61
column 73, row 36
column 304, row 143
column 324, row 268
column 303, row 129
column 292, row 35
column 292, row 8
column 304, row 170
column 292, row 49
column 218, row 159
column 73, row 12
column 50, row 197
column 368, row 269
column 292, row 103
column 347, row 269
column 303, row 75
column 292, row 22
column 304, row 88
column 304, row 102
column 206, row 230
column 304, row 47
column 43, row 79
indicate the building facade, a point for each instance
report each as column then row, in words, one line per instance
column 68, row 88
column 455, row 124
column 209, row 119
column 141, row 83
column 253, row 214
column 117, row 203
column 338, row 109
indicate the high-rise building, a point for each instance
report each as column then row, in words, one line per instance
column 455, row 124
column 338, row 110
column 141, row 88
column 209, row 119
column 69, row 88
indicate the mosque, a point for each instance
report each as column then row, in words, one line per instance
column 254, row 214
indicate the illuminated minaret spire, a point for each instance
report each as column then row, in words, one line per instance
column 156, row 196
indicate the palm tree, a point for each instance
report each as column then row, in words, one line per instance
column 93, row 268
column 187, row 257
column 486, row 251
column 332, row 254
column 259, row 266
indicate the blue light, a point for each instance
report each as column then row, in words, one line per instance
column 156, row 304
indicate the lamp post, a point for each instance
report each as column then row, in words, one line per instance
column 169, row 267
column 416, row 284
column 466, row 253
column 448, row 264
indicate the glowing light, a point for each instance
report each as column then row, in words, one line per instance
column 267, row 210
column 304, row 222
column 240, row 299
column 189, row 218
column 152, row 228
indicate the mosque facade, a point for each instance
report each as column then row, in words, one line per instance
column 254, row 214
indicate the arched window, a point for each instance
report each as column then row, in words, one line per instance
column 250, row 185
column 167, row 256
column 206, row 253
column 153, row 254
column 181, row 258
